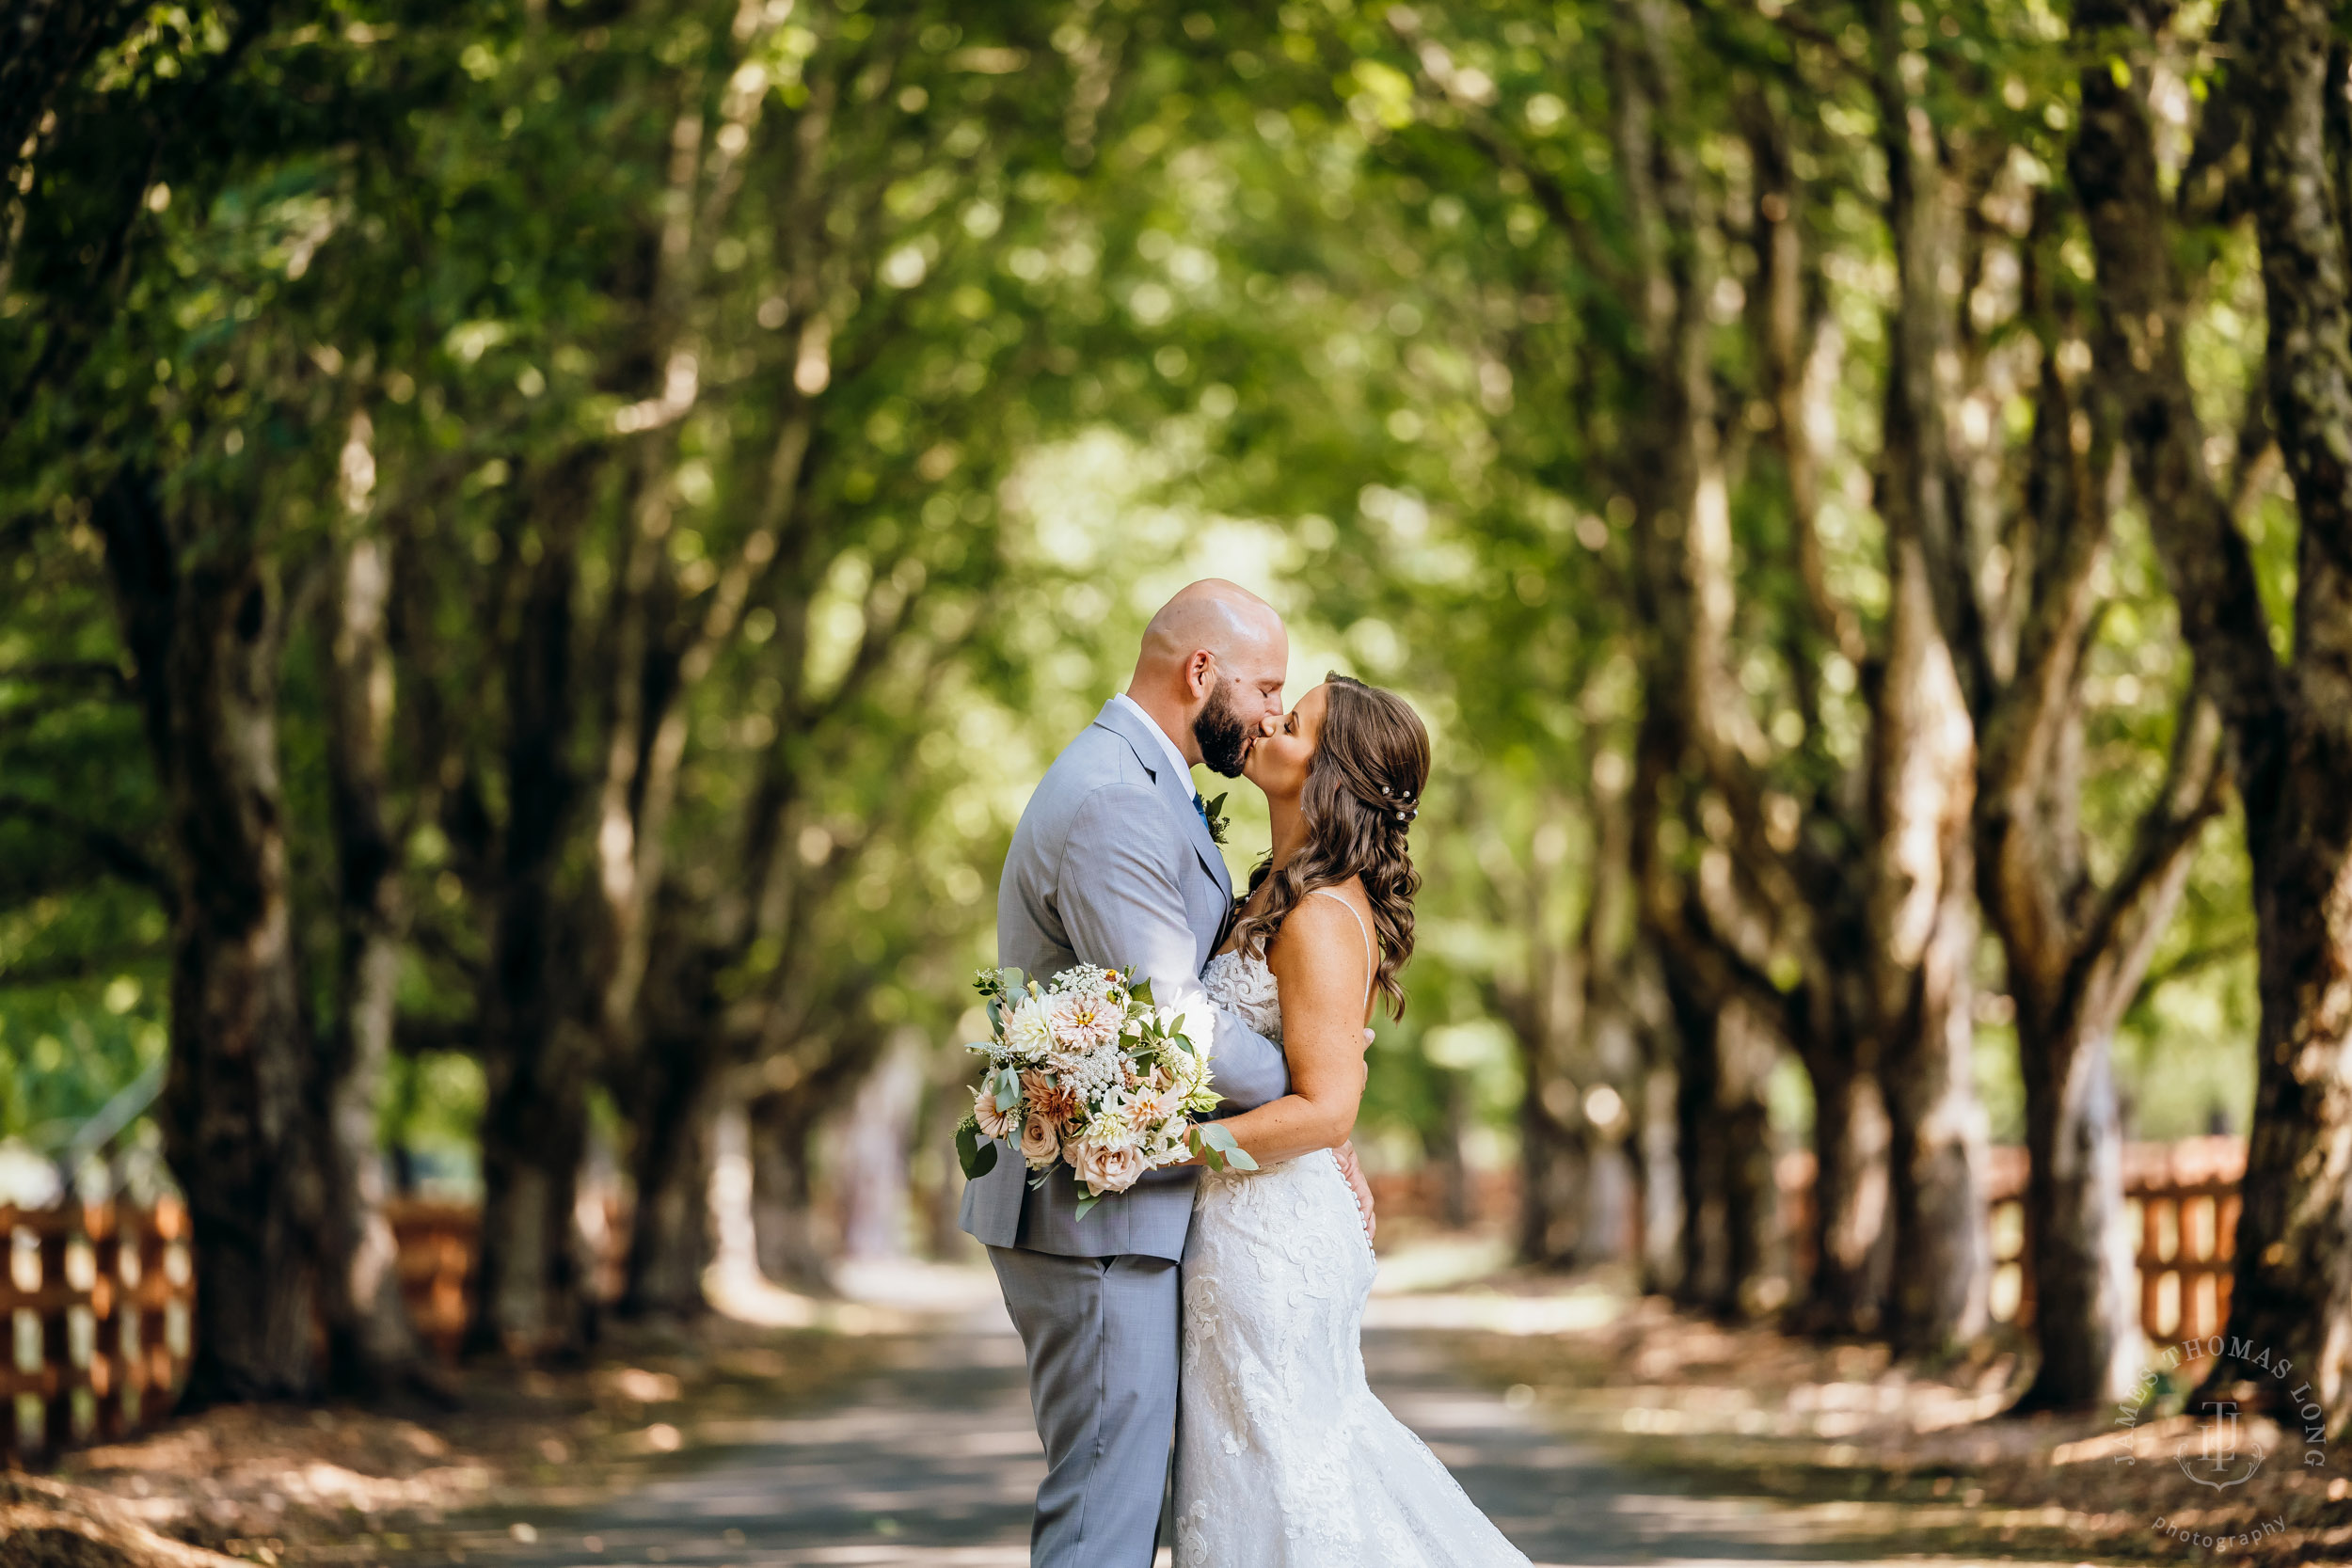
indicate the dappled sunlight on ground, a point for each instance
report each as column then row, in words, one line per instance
column 875, row 1296
column 890, row 1424
column 287, row 1484
column 1440, row 1281
column 1860, row 1441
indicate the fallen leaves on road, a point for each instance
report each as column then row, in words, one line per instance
column 284, row 1486
column 47, row 1524
column 1749, row 1409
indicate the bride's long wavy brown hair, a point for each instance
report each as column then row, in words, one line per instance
column 1362, row 792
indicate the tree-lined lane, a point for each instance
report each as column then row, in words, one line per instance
column 930, row 1462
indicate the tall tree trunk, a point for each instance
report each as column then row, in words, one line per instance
column 1921, row 786
column 873, row 1180
column 784, row 1217
column 533, row 1296
column 673, row 1096
column 2086, row 1312
column 1444, row 1151
column 1851, row 1242
column 670, row 1241
column 534, row 1273
column 2290, row 727
column 1664, row 1215
column 1756, row 1282
column 2294, row 1287
column 371, row 1345
column 1676, row 487
column 1903, row 886
column 1547, row 1020
column 1852, row 1239
column 1731, row 1242
column 2077, row 951
column 1578, row 1050
column 1923, row 758
column 2076, row 956
column 1555, row 1177
column 1702, row 1277
column 1549, row 1024
column 203, row 617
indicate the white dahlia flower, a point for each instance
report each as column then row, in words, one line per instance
column 1029, row 1031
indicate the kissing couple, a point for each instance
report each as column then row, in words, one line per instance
column 1221, row 1313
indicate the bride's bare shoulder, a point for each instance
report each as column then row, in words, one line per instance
column 1321, row 929
column 1353, row 891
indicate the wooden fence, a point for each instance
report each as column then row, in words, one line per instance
column 99, row 1298
column 2180, row 1202
column 437, row 1243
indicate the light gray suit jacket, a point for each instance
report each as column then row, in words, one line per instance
column 1112, row 866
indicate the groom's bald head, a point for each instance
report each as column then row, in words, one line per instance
column 1213, row 660
column 1221, row 617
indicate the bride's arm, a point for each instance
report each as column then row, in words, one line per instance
column 1319, row 962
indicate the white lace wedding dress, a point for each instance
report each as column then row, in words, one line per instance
column 1284, row 1457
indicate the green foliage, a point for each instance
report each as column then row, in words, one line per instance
column 848, row 381
column 1218, row 1150
column 977, row 1157
column 66, row 1050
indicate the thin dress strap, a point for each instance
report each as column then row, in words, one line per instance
column 1372, row 967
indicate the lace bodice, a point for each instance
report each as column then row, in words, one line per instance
column 1245, row 987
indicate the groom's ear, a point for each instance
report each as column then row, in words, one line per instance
column 1199, row 672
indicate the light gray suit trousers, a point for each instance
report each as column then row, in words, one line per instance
column 1110, row 865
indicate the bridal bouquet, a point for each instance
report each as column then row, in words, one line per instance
column 1087, row 1072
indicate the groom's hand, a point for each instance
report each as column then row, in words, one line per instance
column 1354, row 1174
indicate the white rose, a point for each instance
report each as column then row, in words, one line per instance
column 1108, row 1169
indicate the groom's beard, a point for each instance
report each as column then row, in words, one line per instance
column 1224, row 739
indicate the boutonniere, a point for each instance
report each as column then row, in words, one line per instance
column 1212, row 814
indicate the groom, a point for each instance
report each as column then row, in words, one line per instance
column 1113, row 865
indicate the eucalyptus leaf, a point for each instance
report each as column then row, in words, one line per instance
column 978, row 1156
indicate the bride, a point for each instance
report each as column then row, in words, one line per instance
column 1283, row 1455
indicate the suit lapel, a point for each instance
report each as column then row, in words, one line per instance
column 1204, row 844
column 1176, row 787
